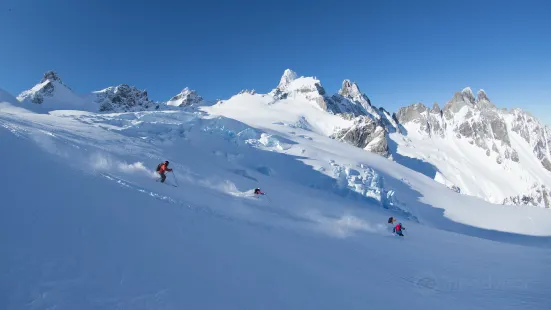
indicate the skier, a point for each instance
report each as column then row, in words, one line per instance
column 391, row 220
column 257, row 191
column 161, row 169
column 398, row 229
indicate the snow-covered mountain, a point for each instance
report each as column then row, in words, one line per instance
column 84, row 225
column 123, row 98
column 185, row 98
column 499, row 155
column 469, row 145
column 52, row 94
column 368, row 127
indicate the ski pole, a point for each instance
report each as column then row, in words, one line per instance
column 175, row 179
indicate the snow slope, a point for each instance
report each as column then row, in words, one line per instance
column 84, row 225
column 446, row 155
column 456, row 162
column 323, row 153
column 470, row 145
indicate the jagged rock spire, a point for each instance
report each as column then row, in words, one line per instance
column 51, row 76
column 349, row 89
column 287, row 77
column 467, row 93
column 185, row 98
column 481, row 95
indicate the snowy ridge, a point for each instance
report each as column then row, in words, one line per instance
column 368, row 126
column 319, row 239
column 472, row 145
column 185, row 98
column 51, row 94
column 123, row 98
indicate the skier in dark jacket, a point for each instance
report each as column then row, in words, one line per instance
column 257, row 191
column 161, row 169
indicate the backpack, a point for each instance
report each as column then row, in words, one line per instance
column 159, row 167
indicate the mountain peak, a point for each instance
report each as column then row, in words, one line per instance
column 185, row 98
column 48, row 87
column 459, row 100
column 436, row 108
column 349, row 89
column 52, row 77
column 481, row 95
column 123, row 98
column 287, row 77
column 467, row 92
column 483, row 101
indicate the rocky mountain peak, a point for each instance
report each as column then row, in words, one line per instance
column 308, row 88
column 436, row 108
column 123, row 98
column 459, row 100
column 286, row 79
column 349, row 89
column 186, row 97
column 51, row 76
column 468, row 95
column 248, row 91
column 46, row 88
column 483, row 102
column 481, row 95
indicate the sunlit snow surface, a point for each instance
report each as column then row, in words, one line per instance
column 84, row 224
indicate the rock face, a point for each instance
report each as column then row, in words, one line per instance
column 431, row 122
column 51, row 76
column 465, row 98
column 476, row 120
column 534, row 133
column 483, row 125
column 367, row 134
column 351, row 91
column 539, row 196
column 185, row 98
column 483, row 102
column 123, row 98
column 248, row 91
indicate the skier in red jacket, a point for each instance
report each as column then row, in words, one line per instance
column 398, row 229
column 161, row 169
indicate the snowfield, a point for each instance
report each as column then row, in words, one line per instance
column 84, row 224
column 452, row 161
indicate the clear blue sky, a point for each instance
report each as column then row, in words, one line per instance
column 399, row 52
